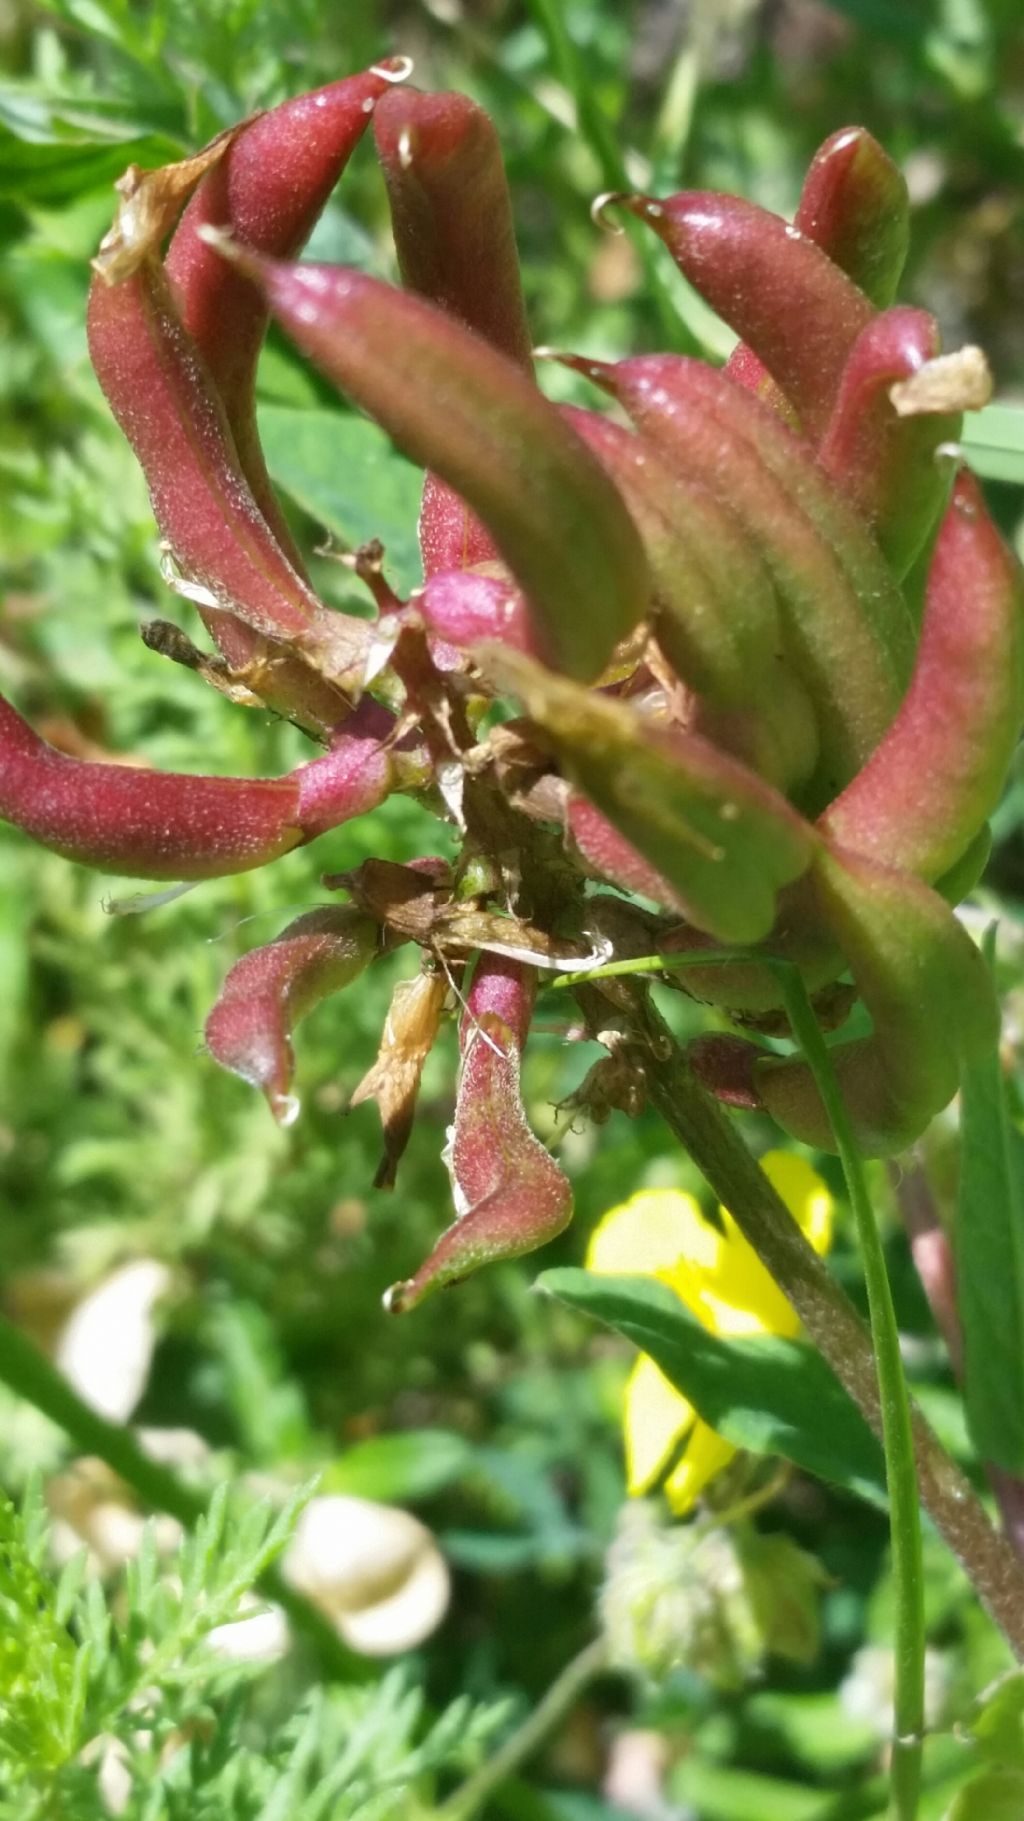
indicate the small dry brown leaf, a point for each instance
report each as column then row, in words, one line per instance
column 394, row 1080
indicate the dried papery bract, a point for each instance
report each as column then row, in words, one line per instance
column 412, row 1023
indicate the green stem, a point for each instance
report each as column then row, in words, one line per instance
column 897, row 1433
column 606, row 149
column 829, row 1318
column 29, row 1374
column 563, row 1694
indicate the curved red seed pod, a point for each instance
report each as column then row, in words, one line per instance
column 464, row 607
column 886, row 464
column 269, row 990
column 746, row 371
column 797, row 311
column 750, row 989
column 452, row 214
column 846, row 628
column 268, row 189
column 166, row 825
column 155, row 825
column 454, row 234
column 856, row 208
column 938, row 772
column 725, row 1064
column 457, row 406
column 510, row 1194
column 168, row 407
column 352, row 778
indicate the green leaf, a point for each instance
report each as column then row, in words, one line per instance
column 56, row 174
column 719, row 1792
column 993, row 440
column 345, row 473
column 766, row 1395
column 994, row 1722
column 990, row 1262
column 400, row 1469
column 997, row 1795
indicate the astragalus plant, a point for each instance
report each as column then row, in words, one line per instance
column 730, row 674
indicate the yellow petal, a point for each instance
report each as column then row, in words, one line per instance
column 655, row 1418
column 649, row 1233
column 732, row 1293
column 739, row 1297
column 707, row 1453
column 804, row 1194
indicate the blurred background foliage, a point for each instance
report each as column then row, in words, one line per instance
column 491, row 1411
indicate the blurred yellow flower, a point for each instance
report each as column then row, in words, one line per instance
column 719, row 1277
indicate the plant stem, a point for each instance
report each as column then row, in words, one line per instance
column 29, row 1374
column 897, row 1433
column 564, row 1692
column 828, row 1316
column 933, row 1257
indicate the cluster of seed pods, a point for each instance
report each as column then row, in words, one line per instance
column 765, row 644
